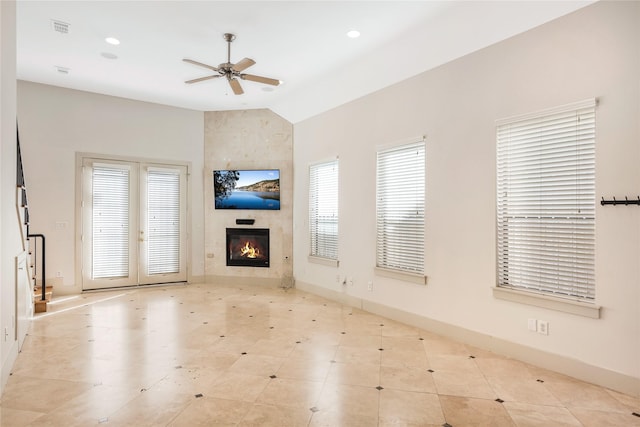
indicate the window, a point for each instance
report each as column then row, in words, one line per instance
column 546, row 202
column 323, row 210
column 400, row 190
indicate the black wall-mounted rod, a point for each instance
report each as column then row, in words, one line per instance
column 626, row 201
column 44, row 271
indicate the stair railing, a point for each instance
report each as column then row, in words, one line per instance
column 20, row 182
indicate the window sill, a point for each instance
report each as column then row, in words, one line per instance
column 552, row 303
column 323, row 261
column 420, row 279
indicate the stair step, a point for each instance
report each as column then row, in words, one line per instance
column 41, row 306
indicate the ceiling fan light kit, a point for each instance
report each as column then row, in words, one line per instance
column 232, row 71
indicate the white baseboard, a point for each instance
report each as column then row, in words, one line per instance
column 267, row 282
column 7, row 364
column 554, row 362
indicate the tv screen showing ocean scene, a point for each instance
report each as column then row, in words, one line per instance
column 247, row 189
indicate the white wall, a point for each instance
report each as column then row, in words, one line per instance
column 594, row 52
column 56, row 123
column 249, row 139
column 10, row 239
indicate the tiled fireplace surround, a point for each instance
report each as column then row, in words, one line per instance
column 248, row 139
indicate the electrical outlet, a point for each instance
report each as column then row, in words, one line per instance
column 532, row 325
column 58, row 274
column 370, row 286
column 543, row 327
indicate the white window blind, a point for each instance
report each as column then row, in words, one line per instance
column 163, row 221
column 323, row 209
column 400, row 208
column 110, row 219
column 546, row 202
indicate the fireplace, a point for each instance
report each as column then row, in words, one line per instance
column 248, row 247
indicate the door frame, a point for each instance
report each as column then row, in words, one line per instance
column 80, row 158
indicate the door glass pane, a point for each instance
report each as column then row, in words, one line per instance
column 110, row 219
column 163, row 221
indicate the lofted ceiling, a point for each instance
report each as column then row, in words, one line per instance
column 302, row 43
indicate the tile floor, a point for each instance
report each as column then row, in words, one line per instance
column 204, row 355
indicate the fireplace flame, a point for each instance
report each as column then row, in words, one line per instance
column 249, row 251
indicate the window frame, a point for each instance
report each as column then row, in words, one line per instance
column 545, row 191
column 398, row 230
column 324, row 249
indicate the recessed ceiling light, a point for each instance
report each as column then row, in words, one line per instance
column 354, row 34
column 112, row 40
column 109, row 55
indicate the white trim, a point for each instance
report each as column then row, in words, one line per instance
column 549, row 302
column 405, row 276
column 400, row 142
column 323, row 261
column 587, row 103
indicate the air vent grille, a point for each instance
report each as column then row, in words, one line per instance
column 60, row 27
column 62, row 70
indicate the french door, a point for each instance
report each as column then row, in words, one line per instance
column 133, row 223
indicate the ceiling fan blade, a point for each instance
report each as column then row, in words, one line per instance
column 260, row 79
column 203, row 78
column 200, row 64
column 235, row 86
column 243, row 64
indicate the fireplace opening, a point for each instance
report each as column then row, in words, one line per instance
column 248, row 247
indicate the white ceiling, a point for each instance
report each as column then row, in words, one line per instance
column 302, row 43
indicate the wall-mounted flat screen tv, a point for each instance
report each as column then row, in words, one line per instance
column 247, row 189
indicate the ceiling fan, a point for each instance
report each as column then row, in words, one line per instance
column 232, row 71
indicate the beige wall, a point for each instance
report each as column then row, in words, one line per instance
column 10, row 240
column 57, row 123
column 594, row 52
column 249, row 139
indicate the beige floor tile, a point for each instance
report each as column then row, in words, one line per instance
column 349, row 400
column 407, row 379
column 276, row 416
column 238, row 386
column 257, row 364
column 363, row 374
column 338, row 418
column 527, row 415
column 463, row 411
column 40, row 394
column 150, row 408
column 453, row 383
column 523, row 391
column 345, row 354
column 307, row 350
column 288, row 392
column 407, row 407
column 304, row 369
column 210, row 411
column 17, row 417
column 594, row 418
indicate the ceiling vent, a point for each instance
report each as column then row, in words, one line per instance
column 60, row 27
column 62, row 70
